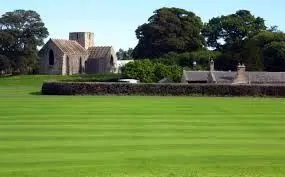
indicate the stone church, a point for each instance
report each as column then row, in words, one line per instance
column 77, row 55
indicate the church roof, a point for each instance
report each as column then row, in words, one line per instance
column 70, row 47
column 99, row 52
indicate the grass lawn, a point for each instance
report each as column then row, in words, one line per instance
column 85, row 136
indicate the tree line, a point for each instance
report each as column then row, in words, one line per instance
column 178, row 36
column 171, row 36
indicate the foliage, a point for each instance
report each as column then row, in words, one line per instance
column 228, row 34
column 142, row 70
column 186, row 60
column 169, row 30
column 226, row 62
column 125, row 55
column 274, row 56
column 232, row 29
column 21, row 32
column 61, row 88
column 236, row 38
column 162, row 71
column 5, row 64
column 148, row 71
column 266, row 51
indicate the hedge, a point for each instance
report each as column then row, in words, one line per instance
column 91, row 88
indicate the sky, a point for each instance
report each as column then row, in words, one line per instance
column 114, row 21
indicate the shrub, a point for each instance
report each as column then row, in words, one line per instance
column 142, row 70
column 149, row 72
column 173, row 73
column 77, row 88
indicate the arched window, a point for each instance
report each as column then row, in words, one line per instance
column 80, row 66
column 112, row 64
column 51, row 58
column 112, row 61
column 67, row 66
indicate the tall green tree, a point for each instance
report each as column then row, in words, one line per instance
column 266, row 51
column 5, row 64
column 21, row 32
column 169, row 30
column 125, row 55
column 229, row 32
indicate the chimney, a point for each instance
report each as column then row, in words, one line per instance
column 241, row 75
column 212, row 65
column 211, row 75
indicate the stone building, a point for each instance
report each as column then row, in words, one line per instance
column 77, row 55
column 241, row 76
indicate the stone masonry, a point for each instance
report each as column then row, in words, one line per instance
column 76, row 56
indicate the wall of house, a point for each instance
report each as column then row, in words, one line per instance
column 45, row 68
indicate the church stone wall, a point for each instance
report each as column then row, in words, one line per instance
column 85, row 39
column 64, row 64
column 45, row 68
column 102, row 65
column 74, row 66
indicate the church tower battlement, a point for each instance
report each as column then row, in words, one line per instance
column 85, row 39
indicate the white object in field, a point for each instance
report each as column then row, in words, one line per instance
column 131, row 81
column 122, row 63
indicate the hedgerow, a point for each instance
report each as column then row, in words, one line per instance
column 90, row 88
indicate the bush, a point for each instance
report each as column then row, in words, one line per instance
column 147, row 71
column 142, row 70
column 77, row 88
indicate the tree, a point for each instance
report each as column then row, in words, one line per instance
column 274, row 56
column 169, row 30
column 5, row 64
column 273, row 29
column 125, row 55
column 229, row 32
column 21, row 32
column 187, row 59
column 265, row 51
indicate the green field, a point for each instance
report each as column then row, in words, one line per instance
column 85, row 136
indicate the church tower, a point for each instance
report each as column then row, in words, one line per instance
column 85, row 39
